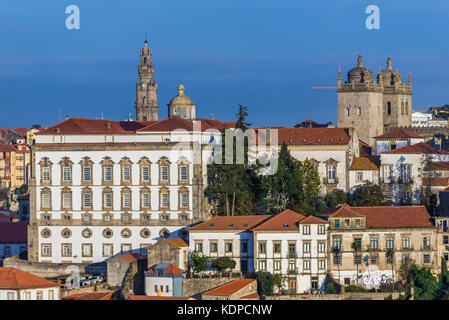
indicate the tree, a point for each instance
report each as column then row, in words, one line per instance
column 310, row 202
column 278, row 281
column 232, row 188
column 265, row 283
column 368, row 194
column 223, row 263
column 283, row 189
column 389, row 254
column 331, row 286
column 443, row 282
column 421, row 279
column 427, row 173
column 23, row 189
column 335, row 197
column 3, row 194
column 356, row 248
column 198, row 262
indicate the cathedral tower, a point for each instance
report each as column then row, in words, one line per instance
column 360, row 103
column 146, row 88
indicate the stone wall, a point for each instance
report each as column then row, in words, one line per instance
column 193, row 286
column 343, row 296
column 101, row 287
column 50, row 270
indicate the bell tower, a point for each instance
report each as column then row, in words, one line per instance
column 146, row 88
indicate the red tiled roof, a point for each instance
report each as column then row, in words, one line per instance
column 285, row 220
column 438, row 166
column 177, row 242
column 138, row 297
column 131, row 257
column 361, row 163
column 175, row 122
column 171, row 269
column 312, row 220
column 6, row 147
column 399, row 133
column 12, row 278
column 90, row 296
column 417, row 148
column 229, row 288
column 251, row 296
column 387, row 217
column 309, row 136
column 13, row 232
column 435, row 182
column 230, row 223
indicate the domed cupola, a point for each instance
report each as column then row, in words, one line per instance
column 389, row 76
column 360, row 74
column 182, row 106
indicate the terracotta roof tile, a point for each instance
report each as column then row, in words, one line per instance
column 435, row 182
column 12, row 278
column 131, row 257
column 312, row 220
column 138, row 297
column 13, row 232
column 399, row 133
column 170, row 268
column 417, row 148
column 177, row 242
column 285, row 220
column 90, row 296
column 6, row 147
column 251, row 296
column 309, row 136
column 361, row 163
column 229, row 288
column 387, row 217
column 230, row 223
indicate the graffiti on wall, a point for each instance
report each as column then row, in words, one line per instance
column 375, row 279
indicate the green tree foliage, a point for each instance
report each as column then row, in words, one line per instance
column 223, row 263
column 278, row 281
column 443, row 282
column 310, row 203
column 335, row 197
column 198, row 262
column 331, row 286
column 265, row 283
column 421, row 279
column 23, row 189
column 283, row 189
column 368, row 194
column 3, row 194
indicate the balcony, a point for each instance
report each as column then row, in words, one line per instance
column 292, row 271
column 426, row 248
column 292, row 255
column 330, row 181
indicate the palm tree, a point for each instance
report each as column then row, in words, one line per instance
column 356, row 248
column 390, row 255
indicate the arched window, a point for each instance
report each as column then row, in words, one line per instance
column 388, row 107
column 406, row 107
column 359, row 111
column 348, row 110
column 402, row 107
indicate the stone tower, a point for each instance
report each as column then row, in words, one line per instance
column 360, row 103
column 397, row 98
column 146, row 88
column 182, row 106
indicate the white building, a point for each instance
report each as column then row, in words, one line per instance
column 362, row 170
column 395, row 139
column 421, row 119
column 402, row 171
column 164, row 280
column 16, row 284
column 101, row 187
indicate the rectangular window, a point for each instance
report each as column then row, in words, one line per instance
column 87, row 173
column 426, row 243
column 374, row 243
column 359, row 176
column 262, row 265
column 292, row 250
column 277, row 265
column 107, row 250
column 390, row 243
column 184, row 200
column 337, row 259
column 445, row 239
column 45, row 200
column 347, row 223
column 306, row 247
column 321, row 264
column 66, row 173
column 213, row 247
column 126, row 247
column 10, row 296
column 66, row 200
column 27, row 295
column 108, row 200
column 321, row 247
column 155, row 289
column 228, row 247
column 337, row 243
column 374, row 259
column 51, row 295
column 387, row 172
column 107, row 173
column 199, row 246
column 66, row 250
column 183, row 173
column 145, row 200
column 306, row 229
column 357, row 223
column 164, row 200
column 331, row 173
column 126, row 173
column 306, row 264
column 39, row 295
column 145, row 173
column 46, row 250
column 277, row 248
column 262, row 248
column 321, row 229
column 87, row 250
column 244, row 247
column 164, row 173
column 405, row 243
column 337, row 223
column 127, row 200
column 358, row 259
column 405, row 172
column 427, row 258
column 46, row 173
column 87, row 200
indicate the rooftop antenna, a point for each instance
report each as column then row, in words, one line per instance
column 102, row 116
column 212, row 116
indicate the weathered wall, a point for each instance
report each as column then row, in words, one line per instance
column 191, row 287
column 50, row 270
column 100, row 287
column 343, row 296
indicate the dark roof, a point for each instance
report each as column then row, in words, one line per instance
column 13, row 232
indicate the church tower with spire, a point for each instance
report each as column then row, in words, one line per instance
column 146, row 88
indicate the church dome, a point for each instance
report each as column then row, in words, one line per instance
column 389, row 76
column 360, row 74
column 181, row 99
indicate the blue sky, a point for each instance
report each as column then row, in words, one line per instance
column 262, row 54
